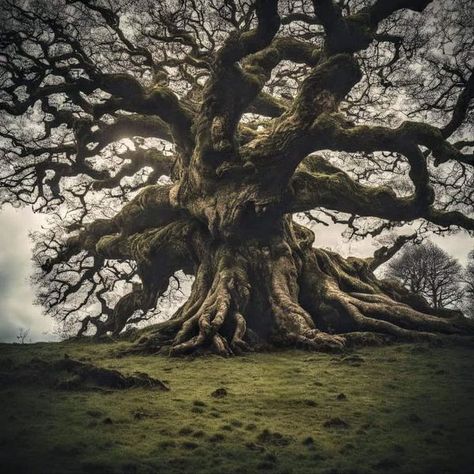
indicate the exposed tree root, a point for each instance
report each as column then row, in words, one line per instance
column 294, row 325
column 211, row 320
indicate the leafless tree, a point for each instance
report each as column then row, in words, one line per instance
column 429, row 271
column 468, row 280
column 22, row 336
column 184, row 135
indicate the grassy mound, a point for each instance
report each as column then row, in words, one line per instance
column 400, row 409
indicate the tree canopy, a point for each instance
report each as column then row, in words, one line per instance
column 160, row 136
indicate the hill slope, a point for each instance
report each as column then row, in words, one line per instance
column 401, row 409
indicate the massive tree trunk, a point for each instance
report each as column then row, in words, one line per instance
column 255, row 291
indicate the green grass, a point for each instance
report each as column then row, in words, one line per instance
column 404, row 409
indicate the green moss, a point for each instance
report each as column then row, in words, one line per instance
column 407, row 409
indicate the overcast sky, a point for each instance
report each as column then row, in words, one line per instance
column 17, row 295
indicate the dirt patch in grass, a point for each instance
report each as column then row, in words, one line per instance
column 71, row 374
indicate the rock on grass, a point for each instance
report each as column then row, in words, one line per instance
column 276, row 439
column 336, row 423
column 219, row 393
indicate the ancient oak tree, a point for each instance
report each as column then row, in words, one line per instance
column 188, row 135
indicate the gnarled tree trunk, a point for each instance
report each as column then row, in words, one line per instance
column 279, row 291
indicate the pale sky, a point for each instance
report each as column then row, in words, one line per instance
column 16, row 293
column 17, row 309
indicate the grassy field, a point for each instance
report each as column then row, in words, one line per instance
column 400, row 409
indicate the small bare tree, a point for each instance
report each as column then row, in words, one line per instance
column 23, row 335
column 428, row 271
column 468, row 280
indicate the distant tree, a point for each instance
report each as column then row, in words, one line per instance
column 468, row 280
column 22, row 336
column 428, row 271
